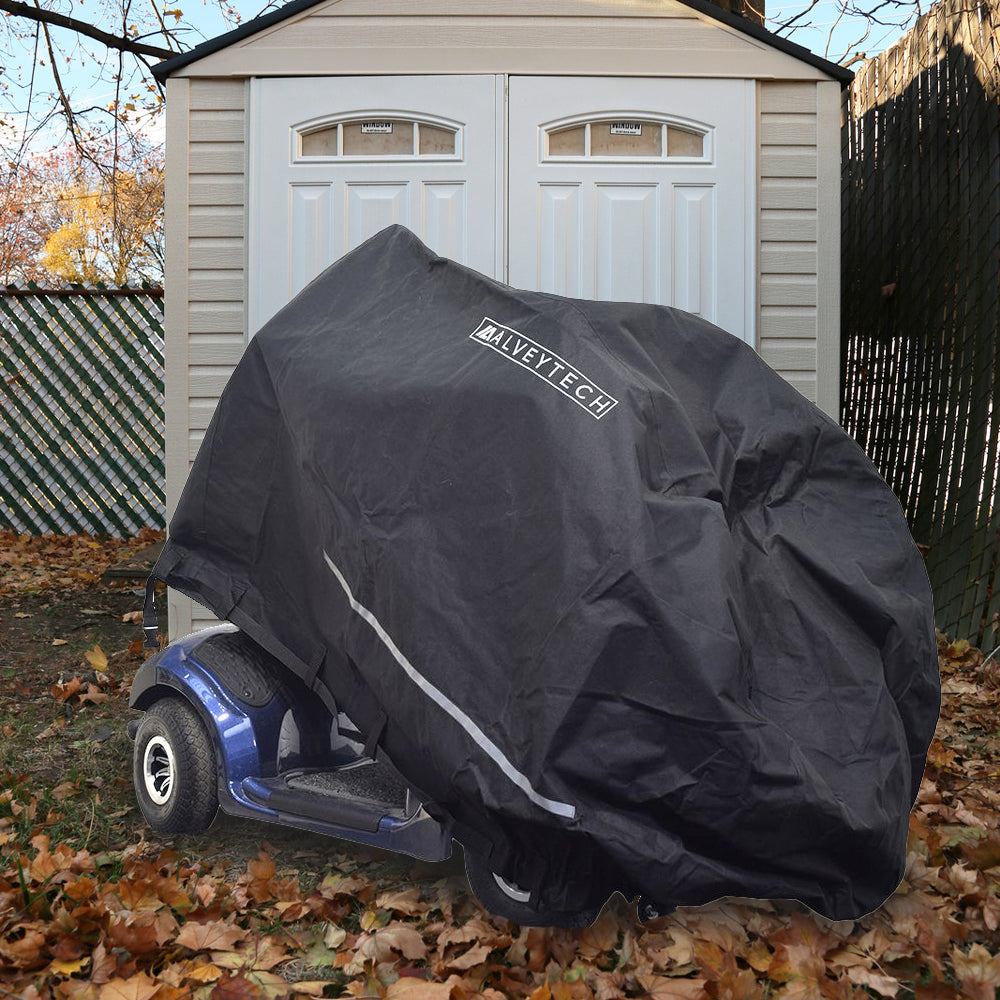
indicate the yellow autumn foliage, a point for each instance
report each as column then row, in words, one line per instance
column 110, row 232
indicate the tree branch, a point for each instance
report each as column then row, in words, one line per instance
column 119, row 42
column 63, row 99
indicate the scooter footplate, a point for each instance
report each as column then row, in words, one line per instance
column 358, row 796
column 364, row 782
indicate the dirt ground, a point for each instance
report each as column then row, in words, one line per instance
column 64, row 712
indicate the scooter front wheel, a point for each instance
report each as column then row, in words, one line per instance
column 507, row 899
column 174, row 769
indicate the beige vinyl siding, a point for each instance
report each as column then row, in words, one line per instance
column 175, row 382
column 555, row 37
column 216, row 254
column 789, row 229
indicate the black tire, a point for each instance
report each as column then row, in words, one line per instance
column 647, row 909
column 505, row 899
column 174, row 769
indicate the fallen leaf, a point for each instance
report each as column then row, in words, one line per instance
column 64, row 790
column 260, row 953
column 52, row 728
column 93, row 694
column 25, row 952
column 607, row 985
column 884, row 985
column 59, row 642
column 978, row 972
column 214, row 936
column 934, row 990
column 137, row 987
column 380, row 944
column 204, row 973
column 61, row 968
column 62, row 692
column 409, row 988
column 476, row 955
column 406, row 901
column 600, row 936
column 310, row 987
column 333, row 936
column 667, row 988
column 235, row 988
column 139, row 937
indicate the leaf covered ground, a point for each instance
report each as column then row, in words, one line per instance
column 91, row 907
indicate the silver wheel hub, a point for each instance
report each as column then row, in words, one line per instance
column 512, row 890
column 159, row 770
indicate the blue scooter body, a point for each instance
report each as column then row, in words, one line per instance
column 283, row 756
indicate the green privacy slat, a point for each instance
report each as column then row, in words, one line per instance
column 70, row 426
column 72, row 418
column 64, row 389
column 9, row 502
column 119, row 305
column 26, row 444
column 39, row 432
column 85, row 349
column 99, row 421
column 140, row 303
column 107, row 325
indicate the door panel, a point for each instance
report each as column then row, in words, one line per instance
column 444, row 217
column 628, row 242
column 633, row 189
column 560, row 262
column 310, row 232
column 337, row 159
column 694, row 250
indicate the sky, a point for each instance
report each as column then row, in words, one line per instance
column 83, row 79
column 831, row 36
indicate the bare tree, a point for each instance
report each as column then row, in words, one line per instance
column 853, row 29
column 84, row 76
column 116, row 42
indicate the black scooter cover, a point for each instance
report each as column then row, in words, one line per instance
column 624, row 606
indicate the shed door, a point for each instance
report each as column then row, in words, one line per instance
column 634, row 190
column 336, row 159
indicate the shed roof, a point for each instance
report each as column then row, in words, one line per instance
column 704, row 7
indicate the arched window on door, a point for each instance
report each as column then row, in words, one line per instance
column 379, row 136
column 642, row 138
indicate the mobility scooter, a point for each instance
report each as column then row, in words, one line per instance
column 227, row 725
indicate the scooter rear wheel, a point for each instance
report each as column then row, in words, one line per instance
column 174, row 769
column 506, row 899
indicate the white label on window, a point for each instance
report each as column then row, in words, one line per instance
column 626, row 128
column 376, row 128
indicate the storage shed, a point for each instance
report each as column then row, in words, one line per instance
column 641, row 150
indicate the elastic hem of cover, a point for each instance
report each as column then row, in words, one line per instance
column 306, row 672
column 285, row 655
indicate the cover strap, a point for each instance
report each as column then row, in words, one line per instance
column 149, row 625
column 313, row 668
column 375, row 734
column 167, row 560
